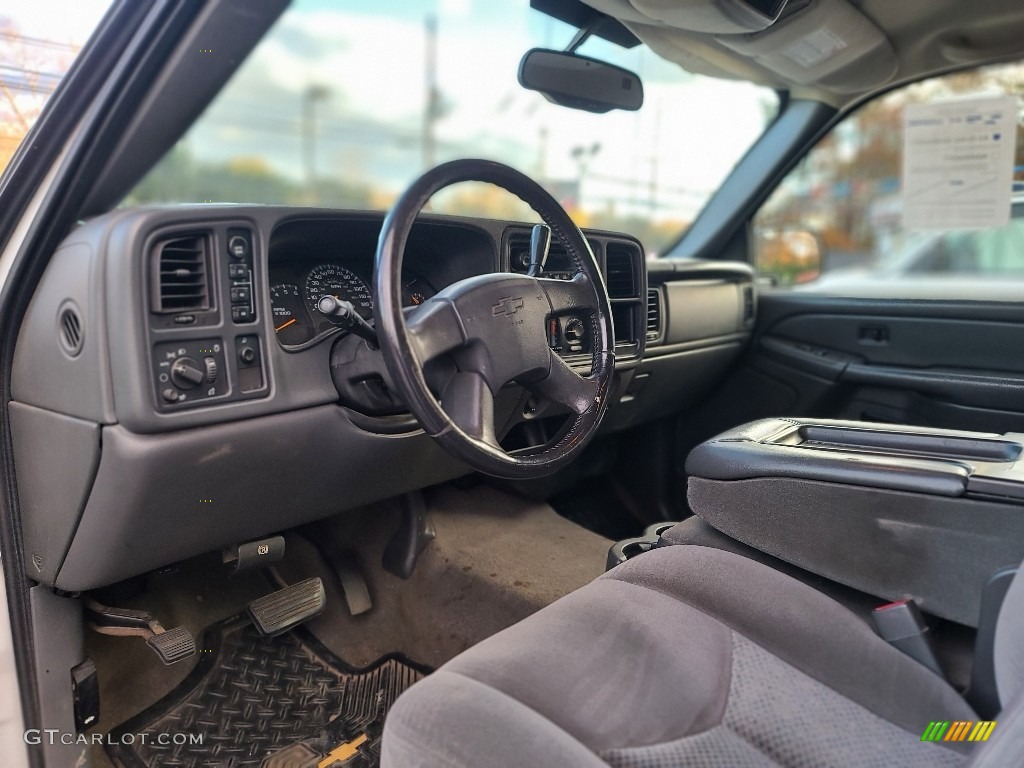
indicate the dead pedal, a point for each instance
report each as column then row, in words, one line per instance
column 173, row 645
column 280, row 611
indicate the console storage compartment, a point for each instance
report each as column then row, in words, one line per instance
column 894, row 511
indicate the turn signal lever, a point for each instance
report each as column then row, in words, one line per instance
column 351, row 320
column 540, row 244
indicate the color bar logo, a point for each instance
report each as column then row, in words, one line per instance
column 958, row 730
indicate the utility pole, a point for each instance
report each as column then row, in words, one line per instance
column 432, row 105
column 652, row 201
column 583, row 156
column 310, row 97
column 542, row 153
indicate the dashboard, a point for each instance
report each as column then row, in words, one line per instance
column 176, row 366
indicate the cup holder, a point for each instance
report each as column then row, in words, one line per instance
column 621, row 551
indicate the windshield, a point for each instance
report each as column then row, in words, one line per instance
column 343, row 104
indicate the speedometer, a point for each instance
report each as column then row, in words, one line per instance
column 342, row 284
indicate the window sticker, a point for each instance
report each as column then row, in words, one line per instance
column 958, row 163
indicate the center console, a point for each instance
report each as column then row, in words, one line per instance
column 893, row 511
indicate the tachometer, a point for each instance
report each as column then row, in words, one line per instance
column 341, row 283
column 291, row 323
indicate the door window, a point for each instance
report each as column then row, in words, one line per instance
column 936, row 208
column 38, row 41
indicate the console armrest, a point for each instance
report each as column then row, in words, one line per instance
column 917, row 459
column 892, row 511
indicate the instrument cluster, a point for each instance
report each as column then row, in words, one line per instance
column 297, row 287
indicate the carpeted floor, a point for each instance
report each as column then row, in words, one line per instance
column 495, row 560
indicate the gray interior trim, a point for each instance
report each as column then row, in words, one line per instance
column 1007, row 743
column 779, row 305
column 777, row 448
column 43, row 373
column 58, row 639
column 1008, row 652
column 938, row 550
column 667, row 383
column 158, row 499
column 55, row 459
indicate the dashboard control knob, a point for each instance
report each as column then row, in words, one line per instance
column 238, row 247
column 211, row 369
column 170, row 395
column 247, row 355
column 573, row 330
column 186, row 373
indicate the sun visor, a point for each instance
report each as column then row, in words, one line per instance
column 695, row 54
column 829, row 43
column 712, row 16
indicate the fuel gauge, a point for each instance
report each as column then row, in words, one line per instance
column 415, row 290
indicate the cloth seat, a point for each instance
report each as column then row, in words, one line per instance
column 683, row 656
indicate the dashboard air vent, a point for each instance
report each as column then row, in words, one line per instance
column 653, row 314
column 70, row 330
column 621, row 276
column 748, row 304
column 558, row 261
column 181, row 268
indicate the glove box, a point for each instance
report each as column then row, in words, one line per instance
column 893, row 511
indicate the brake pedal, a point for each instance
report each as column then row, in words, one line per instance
column 280, row 611
column 173, row 645
column 170, row 645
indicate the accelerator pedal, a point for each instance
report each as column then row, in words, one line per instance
column 280, row 611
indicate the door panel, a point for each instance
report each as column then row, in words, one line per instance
column 935, row 364
column 938, row 364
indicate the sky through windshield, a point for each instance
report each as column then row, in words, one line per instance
column 345, row 103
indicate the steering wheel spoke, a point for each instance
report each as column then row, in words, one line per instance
column 576, row 295
column 469, row 402
column 564, row 386
column 434, row 329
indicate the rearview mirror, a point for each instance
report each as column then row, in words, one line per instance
column 580, row 82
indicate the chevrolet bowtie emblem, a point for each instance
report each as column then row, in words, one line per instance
column 507, row 306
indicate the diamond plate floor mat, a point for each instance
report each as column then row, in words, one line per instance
column 263, row 702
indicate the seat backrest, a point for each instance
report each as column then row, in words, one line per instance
column 1008, row 654
column 1007, row 745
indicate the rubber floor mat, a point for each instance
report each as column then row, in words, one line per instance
column 260, row 702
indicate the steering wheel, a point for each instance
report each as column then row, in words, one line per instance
column 493, row 328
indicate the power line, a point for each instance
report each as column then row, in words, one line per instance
column 26, row 88
column 39, row 42
column 33, row 72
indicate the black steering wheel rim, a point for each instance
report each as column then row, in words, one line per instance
column 402, row 350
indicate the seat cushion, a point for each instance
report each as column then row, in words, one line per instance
column 683, row 656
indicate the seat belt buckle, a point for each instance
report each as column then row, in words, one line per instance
column 901, row 624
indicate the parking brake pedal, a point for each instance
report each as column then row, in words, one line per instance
column 280, row 611
column 171, row 645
